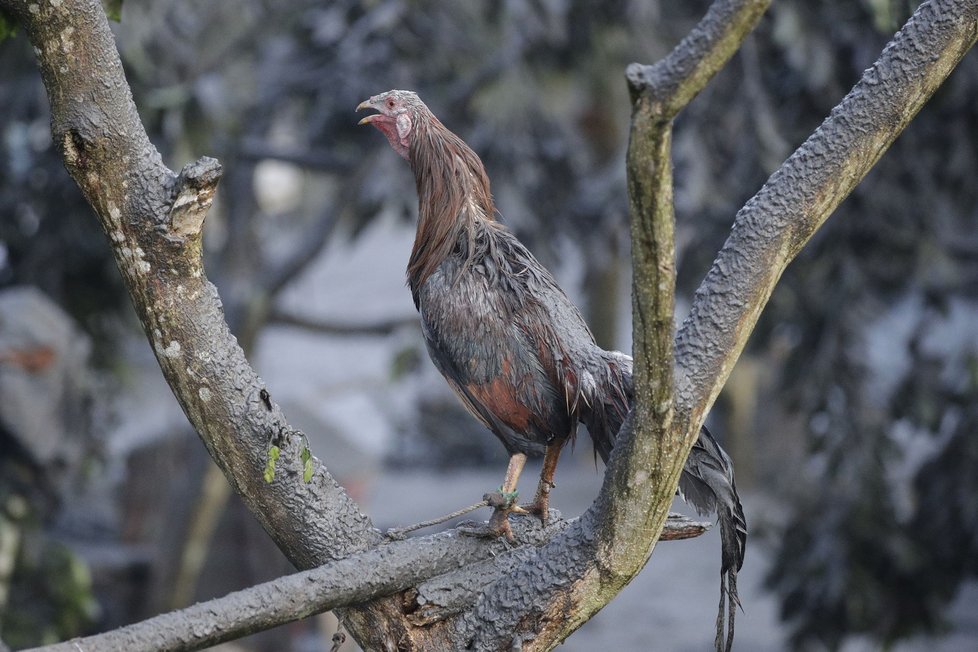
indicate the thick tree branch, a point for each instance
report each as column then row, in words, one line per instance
column 157, row 245
column 455, row 566
column 153, row 221
column 639, row 488
column 655, row 455
column 382, row 570
column 778, row 221
column 453, row 593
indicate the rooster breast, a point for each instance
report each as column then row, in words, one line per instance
column 488, row 317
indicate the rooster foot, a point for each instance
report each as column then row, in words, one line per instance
column 540, row 509
column 497, row 527
column 541, row 502
column 503, row 503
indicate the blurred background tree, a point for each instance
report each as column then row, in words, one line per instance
column 866, row 359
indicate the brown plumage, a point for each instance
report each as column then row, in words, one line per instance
column 511, row 344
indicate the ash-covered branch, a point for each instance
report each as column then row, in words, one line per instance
column 449, row 564
column 380, row 571
column 647, row 462
column 109, row 155
column 778, row 221
column 658, row 93
column 452, row 593
column 674, row 81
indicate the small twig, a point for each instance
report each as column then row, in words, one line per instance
column 398, row 533
column 257, row 149
column 325, row 326
column 679, row 527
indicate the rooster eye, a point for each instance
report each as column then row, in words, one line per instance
column 390, row 103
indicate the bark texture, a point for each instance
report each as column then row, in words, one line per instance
column 534, row 597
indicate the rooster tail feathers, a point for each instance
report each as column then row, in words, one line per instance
column 606, row 391
column 726, row 614
column 707, row 483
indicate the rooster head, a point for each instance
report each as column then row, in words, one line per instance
column 397, row 114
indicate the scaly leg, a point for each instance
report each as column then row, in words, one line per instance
column 499, row 521
column 516, row 463
column 541, row 502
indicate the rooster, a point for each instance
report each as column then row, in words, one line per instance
column 510, row 343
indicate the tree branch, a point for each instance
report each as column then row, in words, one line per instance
column 382, row 570
column 153, row 221
column 638, row 490
column 458, row 562
column 325, row 326
column 121, row 174
column 779, row 220
column 655, row 455
column 673, row 82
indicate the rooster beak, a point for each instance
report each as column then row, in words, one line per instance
column 367, row 119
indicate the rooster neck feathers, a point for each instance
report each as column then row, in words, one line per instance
column 453, row 196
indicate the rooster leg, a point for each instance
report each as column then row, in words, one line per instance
column 516, row 463
column 499, row 521
column 541, row 502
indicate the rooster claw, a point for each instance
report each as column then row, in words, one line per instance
column 540, row 511
column 487, row 531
